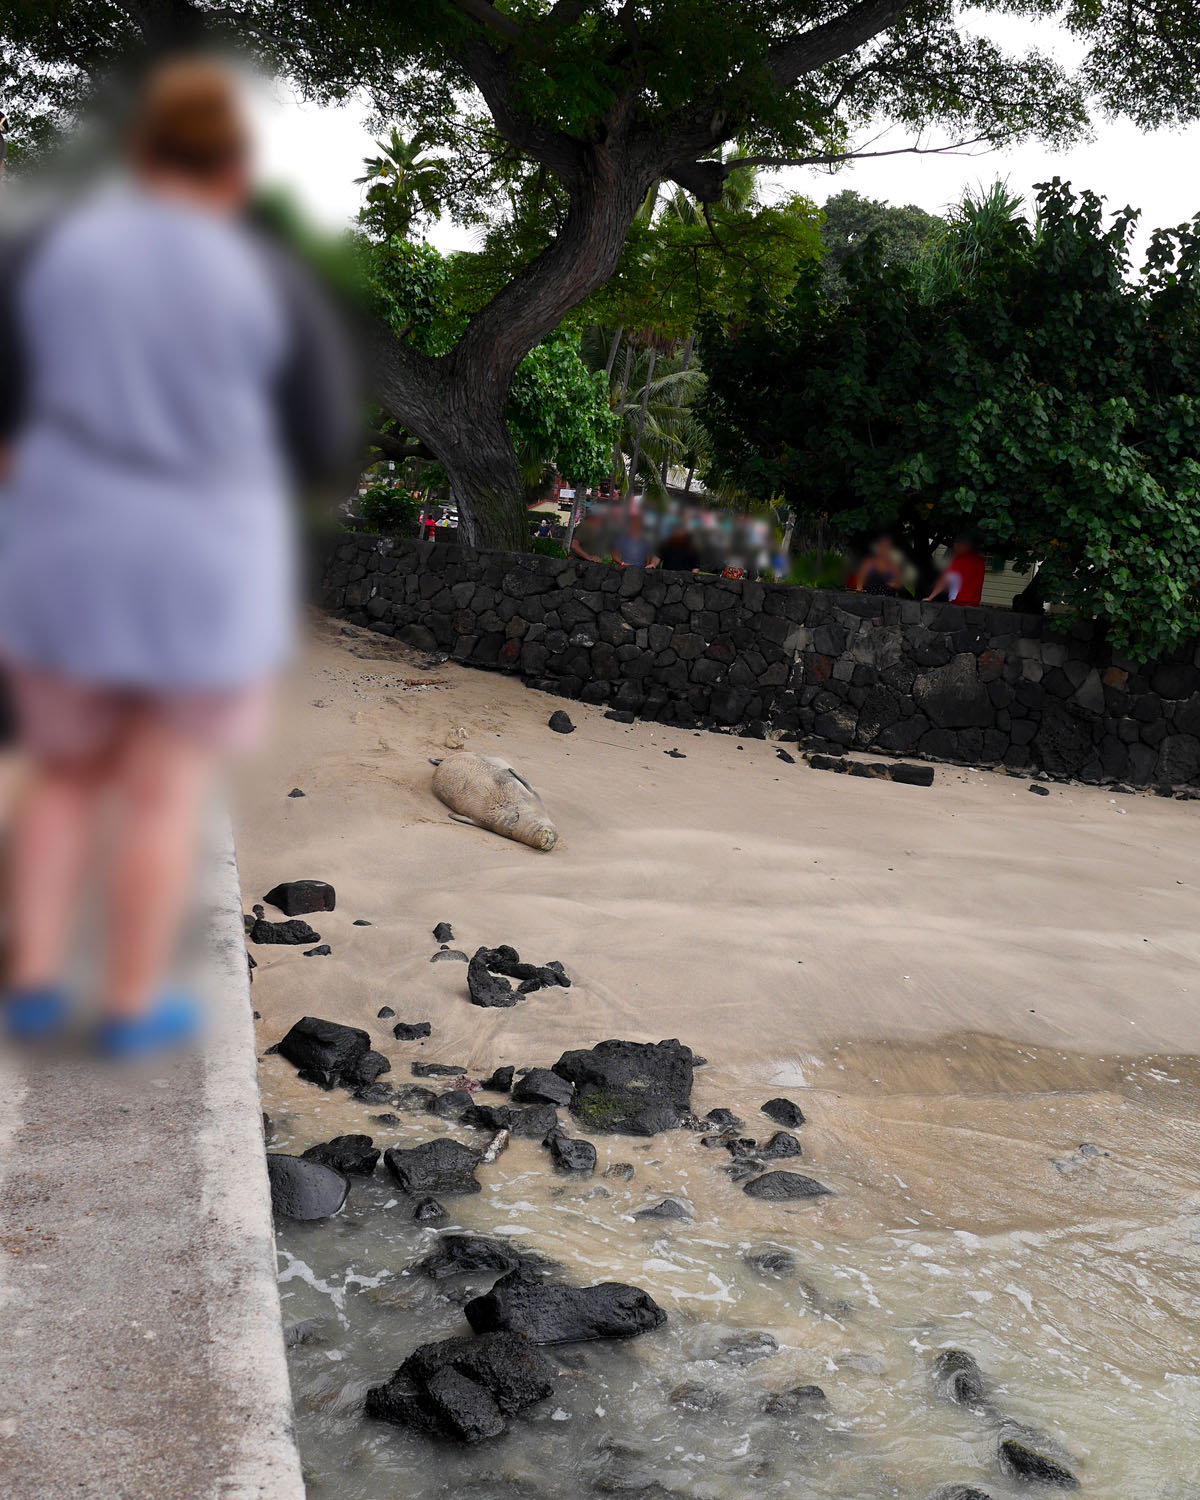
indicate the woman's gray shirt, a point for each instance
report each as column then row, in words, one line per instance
column 171, row 367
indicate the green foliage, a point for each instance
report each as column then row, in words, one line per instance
column 546, row 546
column 404, row 184
column 558, row 413
column 388, row 509
column 1026, row 386
column 848, row 218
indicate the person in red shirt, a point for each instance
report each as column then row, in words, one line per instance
column 962, row 577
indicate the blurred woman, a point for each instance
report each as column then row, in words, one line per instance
column 167, row 376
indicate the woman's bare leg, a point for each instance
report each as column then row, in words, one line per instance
column 53, row 833
column 161, row 781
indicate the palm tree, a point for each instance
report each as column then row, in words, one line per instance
column 405, row 182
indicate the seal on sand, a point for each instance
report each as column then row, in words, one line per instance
column 486, row 791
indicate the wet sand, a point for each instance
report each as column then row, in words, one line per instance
column 961, row 986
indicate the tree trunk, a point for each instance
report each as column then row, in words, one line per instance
column 455, row 404
column 612, row 352
column 683, row 364
column 641, row 427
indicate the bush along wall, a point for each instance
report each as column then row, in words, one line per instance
column 974, row 686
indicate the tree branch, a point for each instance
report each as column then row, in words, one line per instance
column 392, row 447
column 488, row 16
column 832, row 158
column 833, row 39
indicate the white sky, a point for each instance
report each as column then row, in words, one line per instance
column 318, row 152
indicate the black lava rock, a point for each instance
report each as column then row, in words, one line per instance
column 473, row 1255
column 449, row 956
column 620, row 715
column 437, row 1070
column 775, row 1187
column 780, row 1146
column 283, row 934
column 771, row 1261
column 361, row 922
column 960, row 1492
column 746, row 1348
column 491, row 968
column 501, row 1080
column 630, row 1088
column 560, row 722
column 799, row 1401
column 549, row 1312
column 305, row 1189
column 1039, row 791
column 385, row 1013
column 956, row 1377
column 1028, row 1464
column 323, row 950
column 541, row 1086
column 669, row 1208
column 295, row 898
column 443, row 933
column 413, row 1098
column 440, row 1166
column 536, row 1121
column 328, row 1053
column 295, row 792
column 451, row 1104
column 570, row 1155
column 725, row 1118
column 411, row 1031
column 464, row 1389
column 783, row 1112
column 428, row 1211
column 346, row 1153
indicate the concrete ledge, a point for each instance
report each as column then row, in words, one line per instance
column 139, row 1315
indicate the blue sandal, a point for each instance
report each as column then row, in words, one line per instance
column 170, row 1023
column 31, row 1016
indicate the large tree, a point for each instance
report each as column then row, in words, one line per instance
column 596, row 100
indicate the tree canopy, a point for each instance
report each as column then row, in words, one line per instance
column 567, row 112
column 1018, row 381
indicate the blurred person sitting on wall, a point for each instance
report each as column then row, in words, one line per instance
column 587, row 540
column 881, row 571
column 633, row 548
column 961, row 581
column 678, row 551
column 166, row 377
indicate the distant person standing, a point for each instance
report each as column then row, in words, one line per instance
column 166, row 375
column 880, row 572
column 961, row 580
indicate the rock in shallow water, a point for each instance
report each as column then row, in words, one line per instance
column 801, row 1400
column 960, row 1492
column 783, row 1112
column 776, row 1187
column 441, row 1166
column 771, row 1260
column 956, row 1377
column 570, row 1155
column 669, row 1208
column 549, row 1312
column 630, row 1088
column 346, row 1153
column 428, row 1211
column 295, row 898
column 779, row 1147
column 471, row 1254
column 464, row 1388
column 535, row 1122
column 305, row 1189
column 1030, row 1465
column 501, row 1080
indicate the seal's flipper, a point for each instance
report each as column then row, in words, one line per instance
column 462, row 818
column 516, row 775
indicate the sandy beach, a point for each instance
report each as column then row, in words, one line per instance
column 961, row 985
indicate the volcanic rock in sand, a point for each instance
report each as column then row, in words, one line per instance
column 570, row 1155
column 440, row 1166
column 322, row 950
column 346, row 1153
column 385, row 1012
column 549, row 1312
column 491, row 968
column 451, row 1104
column 878, row 770
column 285, row 934
column 630, row 1088
column 724, row 1119
column 777, row 1186
column 449, row 955
column 428, row 1211
column 304, row 1189
column 536, row 1122
column 780, row 1145
column 960, row 1492
column 541, row 1086
column 464, row 1388
column 437, row 1070
column 500, row 1081
column 1032, row 1466
column 411, row 1031
column 295, row 898
column 956, row 1377
column 443, row 933
column 329, row 1054
column 669, row 1208
column 560, row 722
column 471, row 1254
column 783, row 1112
